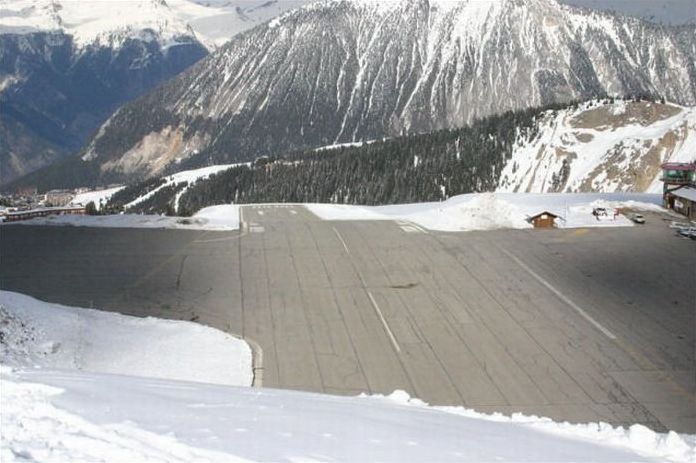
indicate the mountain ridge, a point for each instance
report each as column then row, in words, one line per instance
column 65, row 66
column 349, row 70
column 597, row 146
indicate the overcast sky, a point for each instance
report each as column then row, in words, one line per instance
column 666, row 11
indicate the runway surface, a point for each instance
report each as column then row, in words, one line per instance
column 578, row 325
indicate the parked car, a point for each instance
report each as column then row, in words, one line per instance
column 638, row 218
column 689, row 232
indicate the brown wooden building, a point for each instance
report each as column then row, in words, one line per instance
column 544, row 219
column 682, row 200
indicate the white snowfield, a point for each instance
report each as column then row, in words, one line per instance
column 36, row 333
column 606, row 148
column 58, row 415
column 111, row 22
column 61, row 412
column 489, row 211
column 98, row 197
column 190, row 176
column 215, row 218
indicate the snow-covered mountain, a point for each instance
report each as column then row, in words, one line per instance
column 109, row 23
column 601, row 147
column 338, row 71
column 66, row 65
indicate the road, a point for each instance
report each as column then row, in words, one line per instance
column 578, row 325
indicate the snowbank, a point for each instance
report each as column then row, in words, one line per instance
column 488, row 211
column 217, row 218
column 77, row 416
column 223, row 217
column 36, row 333
column 107, row 414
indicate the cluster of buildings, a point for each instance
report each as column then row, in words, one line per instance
column 679, row 194
column 29, row 204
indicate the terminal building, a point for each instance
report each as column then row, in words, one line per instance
column 679, row 191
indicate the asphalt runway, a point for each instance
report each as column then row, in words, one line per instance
column 578, row 325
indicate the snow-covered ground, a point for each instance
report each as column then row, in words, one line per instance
column 190, row 176
column 602, row 147
column 76, row 416
column 69, row 394
column 98, row 197
column 488, row 211
column 217, row 21
column 36, row 333
column 214, row 218
column 111, row 22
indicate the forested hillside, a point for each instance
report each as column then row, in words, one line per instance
column 423, row 167
column 603, row 145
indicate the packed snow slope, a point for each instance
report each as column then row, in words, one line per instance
column 50, row 415
column 601, row 146
column 35, row 333
column 85, row 385
column 99, row 197
column 185, row 176
column 340, row 71
column 223, row 217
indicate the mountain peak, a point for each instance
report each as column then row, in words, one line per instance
column 104, row 22
column 111, row 22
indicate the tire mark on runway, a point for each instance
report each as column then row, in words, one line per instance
column 303, row 296
column 340, row 310
column 181, row 271
column 561, row 296
column 641, row 360
column 345, row 246
column 397, row 348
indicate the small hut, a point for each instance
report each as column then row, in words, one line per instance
column 543, row 219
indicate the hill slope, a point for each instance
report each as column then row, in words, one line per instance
column 65, row 66
column 597, row 146
column 602, row 148
column 349, row 70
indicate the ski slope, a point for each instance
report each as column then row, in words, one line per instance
column 602, row 147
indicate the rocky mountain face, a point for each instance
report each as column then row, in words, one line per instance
column 602, row 146
column 54, row 94
column 65, row 66
column 348, row 70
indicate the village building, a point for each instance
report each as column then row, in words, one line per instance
column 59, row 198
column 679, row 190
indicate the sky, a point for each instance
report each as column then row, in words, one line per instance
column 663, row 11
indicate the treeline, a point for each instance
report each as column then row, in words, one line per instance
column 415, row 168
column 131, row 192
column 426, row 167
column 161, row 202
